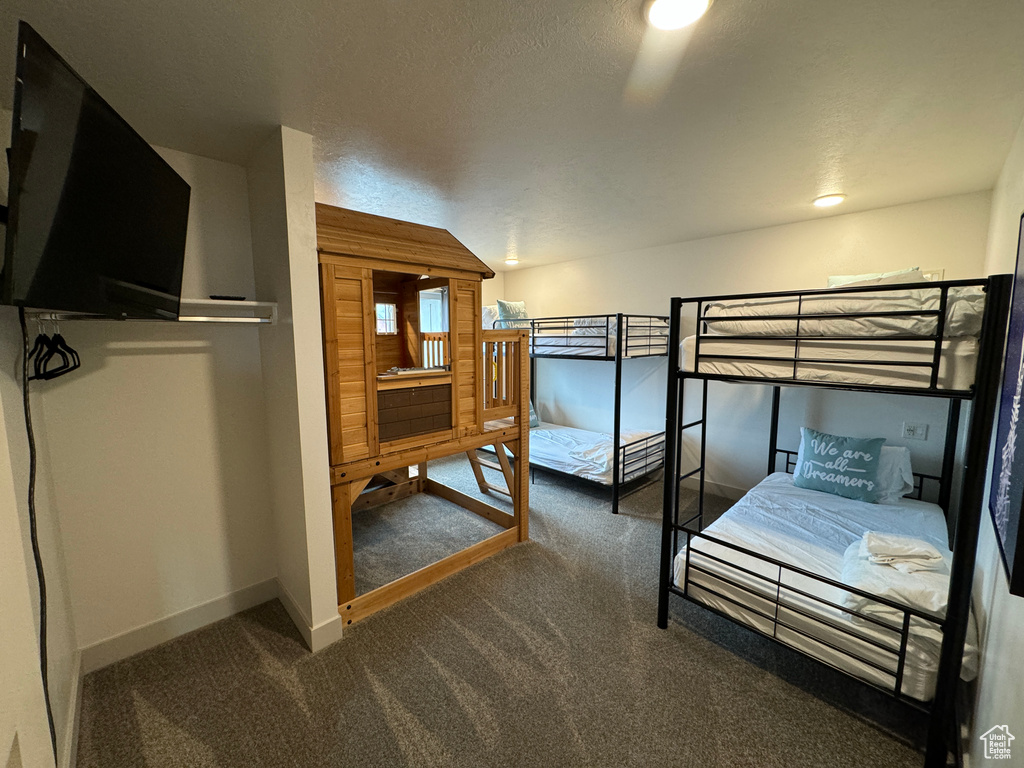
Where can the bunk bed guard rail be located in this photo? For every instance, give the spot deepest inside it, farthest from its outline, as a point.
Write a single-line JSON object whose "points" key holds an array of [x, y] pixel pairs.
{"points": [[594, 336]]}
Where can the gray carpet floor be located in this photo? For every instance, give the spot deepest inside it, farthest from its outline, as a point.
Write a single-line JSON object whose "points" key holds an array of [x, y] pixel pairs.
{"points": [[395, 539], [544, 655]]}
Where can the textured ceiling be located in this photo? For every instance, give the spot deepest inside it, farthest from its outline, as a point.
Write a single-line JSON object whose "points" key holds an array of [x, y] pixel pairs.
{"points": [[509, 123]]}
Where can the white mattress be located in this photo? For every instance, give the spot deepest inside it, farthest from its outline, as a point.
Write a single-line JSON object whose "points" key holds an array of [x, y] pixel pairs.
{"points": [[963, 314], [577, 452], [956, 364], [812, 530]]}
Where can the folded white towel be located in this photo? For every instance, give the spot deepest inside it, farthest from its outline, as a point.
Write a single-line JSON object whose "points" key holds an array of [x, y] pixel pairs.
{"points": [[904, 553], [925, 590]]}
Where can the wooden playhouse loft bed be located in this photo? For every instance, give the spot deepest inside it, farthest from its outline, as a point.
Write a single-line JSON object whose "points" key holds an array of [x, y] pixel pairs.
{"points": [[412, 376]]}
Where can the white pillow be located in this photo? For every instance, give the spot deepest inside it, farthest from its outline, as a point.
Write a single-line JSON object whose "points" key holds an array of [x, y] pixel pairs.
{"points": [[490, 315], [895, 475], [911, 275]]}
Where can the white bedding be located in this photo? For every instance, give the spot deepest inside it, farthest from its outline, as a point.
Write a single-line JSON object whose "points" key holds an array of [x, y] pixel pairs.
{"points": [[963, 314], [956, 364], [812, 530], [578, 452]]}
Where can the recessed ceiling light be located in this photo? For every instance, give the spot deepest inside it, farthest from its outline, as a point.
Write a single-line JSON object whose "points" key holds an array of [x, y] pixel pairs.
{"points": [[674, 14], [511, 259], [827, 201]]}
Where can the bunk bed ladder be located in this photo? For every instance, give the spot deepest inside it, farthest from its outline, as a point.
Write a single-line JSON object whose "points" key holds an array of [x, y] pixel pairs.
{"points": [[501, 465], [674, 431]]}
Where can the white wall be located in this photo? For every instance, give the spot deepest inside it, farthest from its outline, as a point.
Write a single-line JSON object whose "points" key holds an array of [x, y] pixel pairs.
{"points": [[493, 289], [24, 733], [1000, 690], [62, 645], [947, 233], [156, 448], [285, 257]]}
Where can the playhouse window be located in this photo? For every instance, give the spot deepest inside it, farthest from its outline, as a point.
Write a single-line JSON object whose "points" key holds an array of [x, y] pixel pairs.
{"points": [[387, 319]]}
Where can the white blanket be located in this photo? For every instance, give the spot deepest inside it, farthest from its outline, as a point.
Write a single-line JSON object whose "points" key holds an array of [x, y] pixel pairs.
{"points": [[579, 452], [812, 531]]}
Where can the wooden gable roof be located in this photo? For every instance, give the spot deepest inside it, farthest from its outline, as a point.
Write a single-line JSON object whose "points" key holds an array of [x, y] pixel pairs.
{"points": [[341, 232]]}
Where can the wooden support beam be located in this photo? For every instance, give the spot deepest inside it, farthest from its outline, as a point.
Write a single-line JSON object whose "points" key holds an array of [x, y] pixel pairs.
{"points": [[383, 495], [356, 487], [357, 608], [495, 515], [345, 473], [396, 476], [344, 560], [521, 481]]}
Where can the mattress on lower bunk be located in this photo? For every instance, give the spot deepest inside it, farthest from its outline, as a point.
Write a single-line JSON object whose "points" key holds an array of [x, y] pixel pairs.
{"points": [[580, 452], [812, 530], [957, 361]]}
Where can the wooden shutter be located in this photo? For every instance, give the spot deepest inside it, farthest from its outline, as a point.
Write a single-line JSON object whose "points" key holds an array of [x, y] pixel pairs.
{"points": [[350, 369]]}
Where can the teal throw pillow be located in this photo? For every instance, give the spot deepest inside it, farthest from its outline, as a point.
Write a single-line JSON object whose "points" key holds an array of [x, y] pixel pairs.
{"points": [[844, 466], [512, 310], [534, 418]]}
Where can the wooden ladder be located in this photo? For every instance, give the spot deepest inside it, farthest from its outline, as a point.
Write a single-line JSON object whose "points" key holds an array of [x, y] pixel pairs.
{"points": [[501, 465]]}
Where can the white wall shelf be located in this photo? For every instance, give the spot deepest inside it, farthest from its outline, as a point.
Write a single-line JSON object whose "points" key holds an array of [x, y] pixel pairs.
{"points": [[192, 311], [226, 311]]}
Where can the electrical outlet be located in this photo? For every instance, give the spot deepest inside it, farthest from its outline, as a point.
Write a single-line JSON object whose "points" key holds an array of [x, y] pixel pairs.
{"points": [[914, 431], [933, 275]]}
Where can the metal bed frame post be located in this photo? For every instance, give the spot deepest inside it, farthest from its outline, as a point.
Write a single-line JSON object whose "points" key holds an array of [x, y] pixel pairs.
{"points": [[533, 382], [773, 430], [965, 543], [948, 459], [672, 439], [703, 451], [617, 425]]}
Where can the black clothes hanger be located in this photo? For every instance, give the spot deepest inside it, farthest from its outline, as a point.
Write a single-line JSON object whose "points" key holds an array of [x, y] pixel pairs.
{"points": [[69, 358], [38, 348], [52, 357]]}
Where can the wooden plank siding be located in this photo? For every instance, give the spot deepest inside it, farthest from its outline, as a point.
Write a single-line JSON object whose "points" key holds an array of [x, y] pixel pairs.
{"points": [[467, 347], [347, 361]]}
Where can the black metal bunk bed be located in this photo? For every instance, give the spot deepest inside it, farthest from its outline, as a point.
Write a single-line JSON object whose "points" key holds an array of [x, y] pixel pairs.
{"points": [[803, 368], [597, 337]]}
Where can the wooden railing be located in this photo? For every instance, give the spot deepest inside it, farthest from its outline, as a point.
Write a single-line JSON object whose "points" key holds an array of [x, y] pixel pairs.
{"points": [[505, 383], [435, 350]]}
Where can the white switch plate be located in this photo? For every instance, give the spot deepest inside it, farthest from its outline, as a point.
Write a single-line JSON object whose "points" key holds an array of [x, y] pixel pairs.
{"points": [[915, 431], [933, 275]]}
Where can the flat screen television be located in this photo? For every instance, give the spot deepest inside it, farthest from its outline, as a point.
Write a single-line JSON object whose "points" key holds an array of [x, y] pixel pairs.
{"points": [[96, 218]]}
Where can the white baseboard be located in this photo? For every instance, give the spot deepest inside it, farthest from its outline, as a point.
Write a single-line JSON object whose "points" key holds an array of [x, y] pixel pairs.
{"points": [[148, 636], [69, 754], [298, 617], [325, 633], [318, 637]]}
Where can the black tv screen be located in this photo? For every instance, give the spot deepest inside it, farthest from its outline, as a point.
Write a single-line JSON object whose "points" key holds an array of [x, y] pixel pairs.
{"points": [[96, 219]]}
